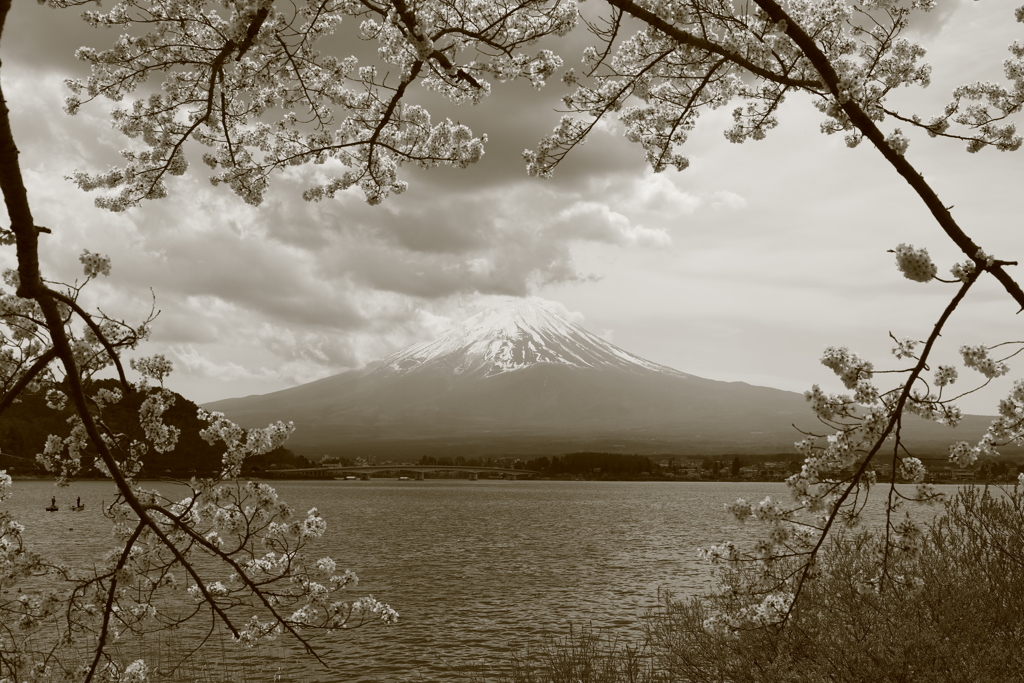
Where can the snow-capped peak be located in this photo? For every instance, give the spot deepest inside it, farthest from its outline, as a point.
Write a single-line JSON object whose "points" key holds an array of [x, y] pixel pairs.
{"points": [[512, 337]]}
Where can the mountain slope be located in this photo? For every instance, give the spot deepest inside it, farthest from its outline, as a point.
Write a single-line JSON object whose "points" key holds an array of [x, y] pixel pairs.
{"points": [[524, 380]]}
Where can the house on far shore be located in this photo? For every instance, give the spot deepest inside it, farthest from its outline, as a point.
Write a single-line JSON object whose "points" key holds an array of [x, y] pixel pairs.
{"points": [[961, 473]]}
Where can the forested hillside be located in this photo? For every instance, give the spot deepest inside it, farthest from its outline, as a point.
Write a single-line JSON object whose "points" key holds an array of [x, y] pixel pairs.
{"points": [[25, 426]]}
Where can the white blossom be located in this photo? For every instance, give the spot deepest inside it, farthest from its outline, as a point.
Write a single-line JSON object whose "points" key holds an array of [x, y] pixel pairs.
{"points": [[945, 375], [904, 348], [94, 264], [977, 358], [912, 469], [850, 367], [915, 264]]}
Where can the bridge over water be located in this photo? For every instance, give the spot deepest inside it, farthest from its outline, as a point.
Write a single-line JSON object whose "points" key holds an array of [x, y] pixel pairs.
{"points": [[417, 471]]}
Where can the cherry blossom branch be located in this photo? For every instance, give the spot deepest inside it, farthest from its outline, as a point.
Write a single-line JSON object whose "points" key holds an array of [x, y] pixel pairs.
{"points": [[686, 38], [216, 72], [11, 395], [607, 36], [302, 84], [111, 594], [898, 161], [74, 381], [114, 357], [243, 576], [16, 197], [934, 130], [686, 111], [895, 417], [31, 286], [609, 105]]}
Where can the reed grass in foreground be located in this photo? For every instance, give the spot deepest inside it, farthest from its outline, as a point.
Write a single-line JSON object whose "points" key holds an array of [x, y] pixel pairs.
{"points": [[953, 611], [220, 660], [175, 657]]}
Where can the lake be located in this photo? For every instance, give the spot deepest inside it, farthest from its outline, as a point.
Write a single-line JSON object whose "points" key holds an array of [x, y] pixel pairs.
{"points": [[476, 569]]}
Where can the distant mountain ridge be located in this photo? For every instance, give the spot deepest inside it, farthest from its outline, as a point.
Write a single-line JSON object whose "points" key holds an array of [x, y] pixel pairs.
{"points": [[524, 380]]}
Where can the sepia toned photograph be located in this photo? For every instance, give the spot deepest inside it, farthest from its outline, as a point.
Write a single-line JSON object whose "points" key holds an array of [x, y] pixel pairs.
{"points": [[511, 341]]}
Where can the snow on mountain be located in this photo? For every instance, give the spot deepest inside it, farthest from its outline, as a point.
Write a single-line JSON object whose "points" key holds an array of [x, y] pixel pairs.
{"points": [[510, 338]]}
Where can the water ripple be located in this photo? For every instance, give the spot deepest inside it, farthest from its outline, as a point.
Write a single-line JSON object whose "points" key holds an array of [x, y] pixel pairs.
{"points": [[476, 569]]}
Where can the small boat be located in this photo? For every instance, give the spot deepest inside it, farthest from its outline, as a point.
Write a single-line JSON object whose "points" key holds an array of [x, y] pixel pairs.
{"points": [[79, 507], [52, 507], [351, 477]]}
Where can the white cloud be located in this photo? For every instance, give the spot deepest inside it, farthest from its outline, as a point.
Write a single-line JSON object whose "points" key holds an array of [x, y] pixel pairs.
{"points": [[194, 363], [658, 193], [724, 199], [596, 221]]}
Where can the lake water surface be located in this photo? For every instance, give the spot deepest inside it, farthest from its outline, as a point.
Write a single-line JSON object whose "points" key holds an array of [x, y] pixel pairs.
{"points": [[475, 568]]}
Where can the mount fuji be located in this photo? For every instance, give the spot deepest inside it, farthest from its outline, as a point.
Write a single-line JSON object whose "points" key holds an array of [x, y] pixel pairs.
{"points": [[524, 380]]}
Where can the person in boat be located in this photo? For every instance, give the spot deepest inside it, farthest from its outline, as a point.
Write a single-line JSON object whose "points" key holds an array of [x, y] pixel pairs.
{"points": [[78, 503], [53, 502]]}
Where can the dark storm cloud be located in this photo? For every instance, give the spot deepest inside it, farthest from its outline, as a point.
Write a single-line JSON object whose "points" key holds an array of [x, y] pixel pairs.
{"points": [[440, 229], [515, 117], [44, 38], [502, 240]]}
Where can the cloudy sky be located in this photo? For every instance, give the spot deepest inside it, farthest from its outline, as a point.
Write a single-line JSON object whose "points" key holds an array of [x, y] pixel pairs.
{"points": [[743, 267]]}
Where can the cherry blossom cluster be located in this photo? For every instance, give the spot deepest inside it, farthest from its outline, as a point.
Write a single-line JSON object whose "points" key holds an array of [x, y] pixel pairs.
{"points": [[63, 457], [162, 436], [962, 271], [945, 375], [915, 264], [904, 348], [94, 264], [240, 443], [770, 611], [977, 358], [248, 80], [912, 469], [156, 367], [962, 454], [851, 369]]}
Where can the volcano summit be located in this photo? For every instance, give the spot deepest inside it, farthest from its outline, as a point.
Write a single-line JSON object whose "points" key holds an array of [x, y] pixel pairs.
{"points": [[524, 380], [515, 338]]}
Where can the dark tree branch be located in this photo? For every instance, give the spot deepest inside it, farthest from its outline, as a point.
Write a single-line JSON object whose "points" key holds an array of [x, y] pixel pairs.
{"points": [[686, 38], [30, 282], [114, 357], [868, 128], [12, 394], [111, 594], [894, 420]]}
